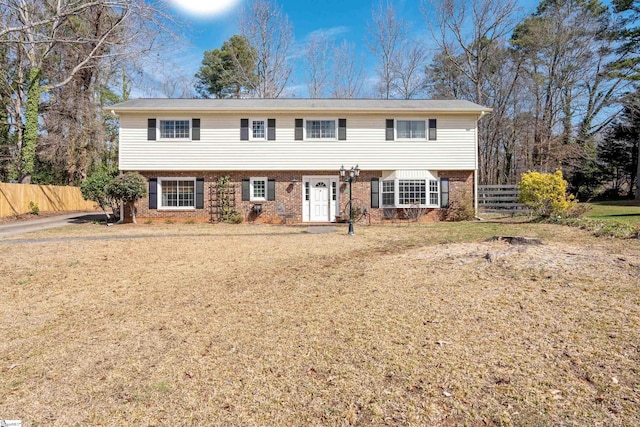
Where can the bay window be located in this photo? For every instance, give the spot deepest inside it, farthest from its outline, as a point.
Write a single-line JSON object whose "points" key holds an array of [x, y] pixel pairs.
{"points": [[401, 192]]}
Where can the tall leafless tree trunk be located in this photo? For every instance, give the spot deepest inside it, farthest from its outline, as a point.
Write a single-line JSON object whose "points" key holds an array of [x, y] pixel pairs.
{"points": [[347, 71], [317, 66], [387, 32], [270, 33], [409, 69]]}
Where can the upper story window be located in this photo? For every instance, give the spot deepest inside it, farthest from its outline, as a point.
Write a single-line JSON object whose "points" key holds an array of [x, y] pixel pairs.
{"points": [[321, 129], [175, 129], [258, 129], [410, 129], [404, 129]]}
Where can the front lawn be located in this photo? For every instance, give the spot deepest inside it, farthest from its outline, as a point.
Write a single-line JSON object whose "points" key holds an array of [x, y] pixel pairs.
{"points": [[619, 210], [267, 325]]}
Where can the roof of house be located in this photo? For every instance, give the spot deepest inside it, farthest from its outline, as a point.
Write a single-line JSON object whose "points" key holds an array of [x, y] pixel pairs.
{"points": [[298, 104]]}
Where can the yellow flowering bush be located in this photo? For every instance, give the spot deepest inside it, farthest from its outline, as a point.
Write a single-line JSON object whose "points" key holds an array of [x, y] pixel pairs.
{"points": [[545, 194]]}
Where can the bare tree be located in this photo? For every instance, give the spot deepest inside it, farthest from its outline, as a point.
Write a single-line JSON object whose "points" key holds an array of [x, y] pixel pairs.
{"points": [[471, 39], [270, 33], [168, 80], [347, 71], [36, 32], [317, 66], [409, 69], [387, 31], [464, 31]]}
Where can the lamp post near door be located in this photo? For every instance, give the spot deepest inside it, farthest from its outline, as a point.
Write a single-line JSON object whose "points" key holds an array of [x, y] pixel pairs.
{"points": [[350, 178]]}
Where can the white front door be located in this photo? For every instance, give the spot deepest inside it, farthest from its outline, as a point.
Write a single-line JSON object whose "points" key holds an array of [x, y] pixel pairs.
{"points": [[319, 200]]}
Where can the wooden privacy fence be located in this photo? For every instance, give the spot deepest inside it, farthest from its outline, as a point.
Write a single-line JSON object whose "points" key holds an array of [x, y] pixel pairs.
{"points": [[15, 198], [500, 199]]}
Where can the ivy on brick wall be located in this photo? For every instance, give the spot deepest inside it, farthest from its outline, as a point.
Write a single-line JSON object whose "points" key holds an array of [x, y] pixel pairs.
{"points": [[226, 208]]}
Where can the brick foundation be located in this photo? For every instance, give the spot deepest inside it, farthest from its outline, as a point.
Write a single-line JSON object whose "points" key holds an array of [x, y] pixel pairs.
{"points": [[289, 188]]}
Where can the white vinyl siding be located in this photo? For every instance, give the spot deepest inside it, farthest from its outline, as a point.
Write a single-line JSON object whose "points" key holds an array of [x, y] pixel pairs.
{"points": [[220, 147]]}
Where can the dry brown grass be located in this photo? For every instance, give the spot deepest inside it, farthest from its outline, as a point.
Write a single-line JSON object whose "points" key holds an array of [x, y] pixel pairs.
{"points": [[260, 325]]}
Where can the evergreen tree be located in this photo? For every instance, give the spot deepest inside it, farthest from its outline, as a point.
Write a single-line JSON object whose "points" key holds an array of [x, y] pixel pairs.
{"points": [[228, 72]]}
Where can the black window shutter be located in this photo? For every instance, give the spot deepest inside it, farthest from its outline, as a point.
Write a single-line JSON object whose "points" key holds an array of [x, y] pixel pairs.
{"points": [[299, 133], [271, 189], [244, 129], [433, 131], [271, 129], [444, 192], [375, 193], [153, 193], [389, 134], [245, 190], [195, 129], [199, 193], [342, 129], [151, 129]]}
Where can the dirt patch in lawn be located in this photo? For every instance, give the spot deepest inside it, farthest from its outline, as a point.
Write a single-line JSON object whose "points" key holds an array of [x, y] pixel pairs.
{"points": [[410, 325]]}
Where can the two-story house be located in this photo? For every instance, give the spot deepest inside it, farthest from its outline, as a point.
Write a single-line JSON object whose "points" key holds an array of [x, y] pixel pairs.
{"points": [[283, 156]]}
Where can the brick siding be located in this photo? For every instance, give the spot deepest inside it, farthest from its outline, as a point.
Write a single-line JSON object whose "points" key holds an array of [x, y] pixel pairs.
{"points": [[289, 188]]}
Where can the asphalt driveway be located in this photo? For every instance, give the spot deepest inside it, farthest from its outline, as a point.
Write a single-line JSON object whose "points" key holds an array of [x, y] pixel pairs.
{"points": [[21, 227]]}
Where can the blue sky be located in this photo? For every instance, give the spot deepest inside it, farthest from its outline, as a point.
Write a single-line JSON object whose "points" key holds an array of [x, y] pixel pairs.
{"points": [[339, 19]]}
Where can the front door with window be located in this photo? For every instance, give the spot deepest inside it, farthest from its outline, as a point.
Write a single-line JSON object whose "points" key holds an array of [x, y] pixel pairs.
{"points": [[319, 200], [320, 195]]}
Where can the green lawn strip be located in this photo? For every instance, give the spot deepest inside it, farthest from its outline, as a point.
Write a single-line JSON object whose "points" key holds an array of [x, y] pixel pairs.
{"points": [[627, 211]]}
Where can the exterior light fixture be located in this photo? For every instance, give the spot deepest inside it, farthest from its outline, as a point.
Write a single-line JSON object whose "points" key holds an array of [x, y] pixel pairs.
{"points": [[354, 172]]}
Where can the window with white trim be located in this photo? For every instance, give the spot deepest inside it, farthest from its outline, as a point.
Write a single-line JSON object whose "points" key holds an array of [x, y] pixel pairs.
{"points": [[321, 129], [175, 129], [412, 192], [434, 192], [388, 193], [417, 129], [404, 193], [258, 129], [177, 192], [410, 129], [258, 189]]}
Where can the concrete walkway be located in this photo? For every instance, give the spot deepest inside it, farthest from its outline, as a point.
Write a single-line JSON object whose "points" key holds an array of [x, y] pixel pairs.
{"points": [[27, 226]]}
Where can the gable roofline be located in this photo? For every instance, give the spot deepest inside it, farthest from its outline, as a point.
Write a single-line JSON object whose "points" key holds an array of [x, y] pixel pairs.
{"points": [[148, 105]]}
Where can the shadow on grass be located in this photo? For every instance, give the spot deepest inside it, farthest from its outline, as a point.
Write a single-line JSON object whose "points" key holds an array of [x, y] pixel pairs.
{"points": [[85, 219], [604, 216], [625, 202]]}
